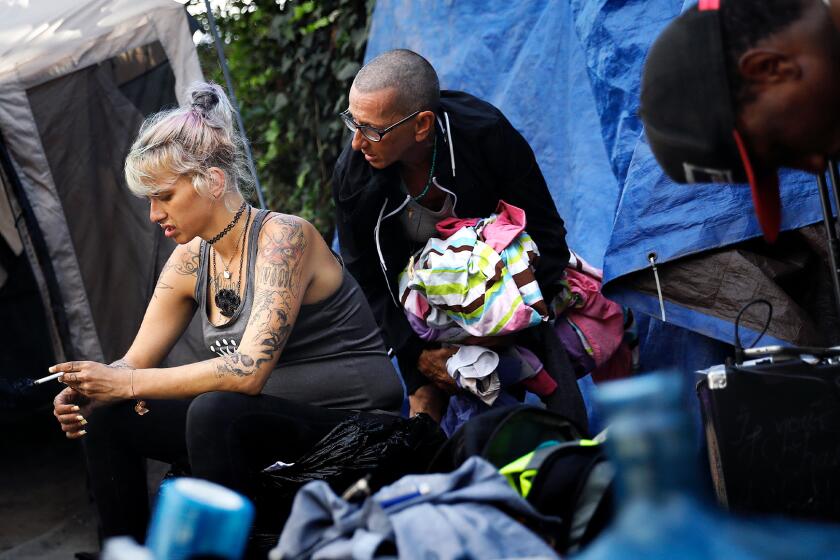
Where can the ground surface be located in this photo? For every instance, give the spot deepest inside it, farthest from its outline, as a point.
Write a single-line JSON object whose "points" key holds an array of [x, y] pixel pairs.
{"points": [[45, 512], [45, 508]]}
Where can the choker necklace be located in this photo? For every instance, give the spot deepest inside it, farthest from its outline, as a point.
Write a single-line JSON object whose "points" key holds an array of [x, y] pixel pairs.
{"points": [[228, 227], [227, 299], [420, 196]]}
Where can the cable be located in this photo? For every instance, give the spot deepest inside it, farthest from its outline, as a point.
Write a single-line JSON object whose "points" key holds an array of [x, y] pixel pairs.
{"points": [[739, 349]]}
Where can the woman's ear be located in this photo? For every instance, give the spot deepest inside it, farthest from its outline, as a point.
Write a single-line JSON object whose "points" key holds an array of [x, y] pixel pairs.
{"points": [[424, 125], [217, 184]]}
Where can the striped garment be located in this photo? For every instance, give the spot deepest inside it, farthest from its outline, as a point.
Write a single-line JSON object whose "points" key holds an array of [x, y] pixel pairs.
{"points": [[461, 286]]}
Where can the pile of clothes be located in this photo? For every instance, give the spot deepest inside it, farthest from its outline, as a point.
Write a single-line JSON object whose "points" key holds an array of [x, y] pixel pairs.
{"points": [[476, 280], [474, 286]]}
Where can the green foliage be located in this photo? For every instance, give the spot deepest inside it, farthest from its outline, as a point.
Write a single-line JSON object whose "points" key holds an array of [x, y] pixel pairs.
{"points": [[291, 64]]}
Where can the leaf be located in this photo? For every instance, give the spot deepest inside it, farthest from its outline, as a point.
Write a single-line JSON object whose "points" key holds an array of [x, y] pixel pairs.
{"points": [[317, 24], [280, 101], [348, 70], [290, 63], [302, 10]]}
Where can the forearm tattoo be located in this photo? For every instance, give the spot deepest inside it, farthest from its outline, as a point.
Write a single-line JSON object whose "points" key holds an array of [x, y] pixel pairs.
{"points": [[238, 364], [185, 264], [278, 287], [121, 364]]}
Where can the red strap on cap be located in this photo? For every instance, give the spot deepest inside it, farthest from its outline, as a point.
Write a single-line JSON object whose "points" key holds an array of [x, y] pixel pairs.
{"points": [[765, 194], [705, 5]]}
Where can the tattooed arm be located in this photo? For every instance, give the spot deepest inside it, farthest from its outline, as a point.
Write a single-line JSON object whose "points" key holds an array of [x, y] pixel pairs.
{"points": [[170, 309], [89, 384], [283, 272], [282, 276]]}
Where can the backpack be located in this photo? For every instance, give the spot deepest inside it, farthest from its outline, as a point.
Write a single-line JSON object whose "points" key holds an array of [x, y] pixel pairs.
{"points": [[571, 480], [502, 435], [544, 454]]}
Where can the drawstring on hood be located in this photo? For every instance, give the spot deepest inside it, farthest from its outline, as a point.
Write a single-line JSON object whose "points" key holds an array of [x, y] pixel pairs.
{"points": [[382, 216], [451, 144]]}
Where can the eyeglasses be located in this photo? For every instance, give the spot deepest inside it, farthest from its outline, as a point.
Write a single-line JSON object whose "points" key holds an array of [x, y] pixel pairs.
{"points": [[372, 133]]}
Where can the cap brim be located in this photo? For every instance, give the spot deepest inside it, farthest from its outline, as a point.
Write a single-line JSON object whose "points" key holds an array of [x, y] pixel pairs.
{"points": [[764, 185]]}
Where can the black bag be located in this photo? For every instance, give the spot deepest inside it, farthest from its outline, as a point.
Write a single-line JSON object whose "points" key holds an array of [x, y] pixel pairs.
{"points": [[502, 435], [573, 480], [773, 434], [383, 449]]}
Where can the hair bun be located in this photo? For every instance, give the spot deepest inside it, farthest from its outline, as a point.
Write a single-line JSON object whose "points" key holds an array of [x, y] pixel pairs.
{"points": [[208, 100], [205, 100]]}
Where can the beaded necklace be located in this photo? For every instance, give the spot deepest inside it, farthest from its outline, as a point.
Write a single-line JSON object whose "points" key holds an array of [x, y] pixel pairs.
{"points": [[228, 227], [420, 196]]}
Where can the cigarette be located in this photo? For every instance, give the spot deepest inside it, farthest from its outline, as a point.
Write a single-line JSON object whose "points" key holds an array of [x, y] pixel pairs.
{"points": [[48, 378]]}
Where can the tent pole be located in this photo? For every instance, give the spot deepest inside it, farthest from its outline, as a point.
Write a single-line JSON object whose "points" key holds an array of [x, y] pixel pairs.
{"points": [[830, 230], [835, 183], [223, 61]]}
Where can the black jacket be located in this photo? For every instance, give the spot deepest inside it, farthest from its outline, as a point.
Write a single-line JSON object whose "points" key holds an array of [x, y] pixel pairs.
{"points": [[492, 162]]}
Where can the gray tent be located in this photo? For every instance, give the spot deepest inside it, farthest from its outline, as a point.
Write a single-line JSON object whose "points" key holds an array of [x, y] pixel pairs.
{"points": [[78, 255]]}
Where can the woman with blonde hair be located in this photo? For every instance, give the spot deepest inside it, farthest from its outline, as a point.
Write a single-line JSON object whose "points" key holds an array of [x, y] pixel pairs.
{"points": [[295, 348]]}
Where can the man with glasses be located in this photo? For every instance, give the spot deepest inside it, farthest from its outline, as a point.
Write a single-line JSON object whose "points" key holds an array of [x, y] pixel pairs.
{"points": [[418, 155], [734, 89]]}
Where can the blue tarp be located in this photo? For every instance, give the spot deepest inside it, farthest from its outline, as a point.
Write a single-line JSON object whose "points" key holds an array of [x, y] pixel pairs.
{"points": [[567, 75], [525, 58]]}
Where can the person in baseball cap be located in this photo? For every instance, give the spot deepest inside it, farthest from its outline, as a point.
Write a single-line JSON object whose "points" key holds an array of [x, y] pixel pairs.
{"points": [[734, 89]]}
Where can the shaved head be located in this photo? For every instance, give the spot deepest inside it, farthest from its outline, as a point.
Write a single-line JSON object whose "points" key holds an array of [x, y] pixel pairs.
{"points": [[408, 74]]}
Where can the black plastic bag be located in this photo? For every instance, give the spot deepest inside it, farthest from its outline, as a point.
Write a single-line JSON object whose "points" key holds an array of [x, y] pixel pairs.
{"points": [[384, 449]]}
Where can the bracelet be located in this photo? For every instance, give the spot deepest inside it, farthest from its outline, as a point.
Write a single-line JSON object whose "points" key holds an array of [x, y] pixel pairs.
{"points": [[140, 405]]}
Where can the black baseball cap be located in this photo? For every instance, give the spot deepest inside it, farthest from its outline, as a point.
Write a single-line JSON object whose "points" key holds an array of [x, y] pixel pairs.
{"points": [[687, 109]]}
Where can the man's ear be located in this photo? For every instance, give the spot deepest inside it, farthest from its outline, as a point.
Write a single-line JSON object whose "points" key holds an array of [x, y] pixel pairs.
{"points": [[424, 125], [763, 66], [217, 182]]}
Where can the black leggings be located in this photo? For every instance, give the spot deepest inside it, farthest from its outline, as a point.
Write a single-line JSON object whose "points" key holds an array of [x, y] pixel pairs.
{"points": [[223, 437]]}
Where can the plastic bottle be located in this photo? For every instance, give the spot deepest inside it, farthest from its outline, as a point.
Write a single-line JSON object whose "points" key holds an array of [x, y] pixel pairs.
{"points": [[125, 548], [199, 519]]}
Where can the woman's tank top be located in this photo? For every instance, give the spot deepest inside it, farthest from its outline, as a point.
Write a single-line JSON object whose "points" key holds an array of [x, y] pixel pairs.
{"points": [[334, 356]]}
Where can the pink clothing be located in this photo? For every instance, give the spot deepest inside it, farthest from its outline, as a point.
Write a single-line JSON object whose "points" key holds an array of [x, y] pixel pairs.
{"points": [[600, 320], [541, 384], [447, 227], [618, 366], [578, 263], [498, 233]]}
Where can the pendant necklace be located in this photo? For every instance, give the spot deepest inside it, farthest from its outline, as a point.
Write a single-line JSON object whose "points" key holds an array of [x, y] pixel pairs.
{"points": [[227, 299], [226, 269]]}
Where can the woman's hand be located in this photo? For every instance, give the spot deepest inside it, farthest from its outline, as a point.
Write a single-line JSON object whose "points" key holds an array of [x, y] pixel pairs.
{"points": [[96, 381], [71, 409]]}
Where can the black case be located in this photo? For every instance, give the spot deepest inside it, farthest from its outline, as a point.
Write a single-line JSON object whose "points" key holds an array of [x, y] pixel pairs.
{"points": [[773, 436]]}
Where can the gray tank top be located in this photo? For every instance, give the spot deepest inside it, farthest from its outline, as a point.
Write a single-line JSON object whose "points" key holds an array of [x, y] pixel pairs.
{"points": [[418, 222], [334, 356]]}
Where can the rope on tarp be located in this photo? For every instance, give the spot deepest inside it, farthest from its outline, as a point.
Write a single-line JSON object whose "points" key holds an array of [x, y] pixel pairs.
{"points": [[223, 61]]}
